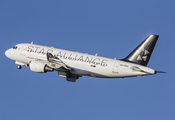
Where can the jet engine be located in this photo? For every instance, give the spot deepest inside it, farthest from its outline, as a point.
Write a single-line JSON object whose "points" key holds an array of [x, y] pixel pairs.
{"points": [[39, 67]]}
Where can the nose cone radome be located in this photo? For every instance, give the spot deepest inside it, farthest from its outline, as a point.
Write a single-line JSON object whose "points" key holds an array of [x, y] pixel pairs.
{"points": [[7, 53]]}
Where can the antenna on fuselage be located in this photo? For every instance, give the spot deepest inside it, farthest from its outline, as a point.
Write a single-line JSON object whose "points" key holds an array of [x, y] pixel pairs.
{"points": [[31, 42], [96, 54]]}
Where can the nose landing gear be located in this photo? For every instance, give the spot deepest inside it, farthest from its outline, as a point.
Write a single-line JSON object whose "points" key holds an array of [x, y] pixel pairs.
{"points": [[19, 66]]}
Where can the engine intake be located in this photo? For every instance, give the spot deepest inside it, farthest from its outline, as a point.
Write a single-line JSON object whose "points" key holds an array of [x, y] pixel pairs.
{"points": [[39, 67]]}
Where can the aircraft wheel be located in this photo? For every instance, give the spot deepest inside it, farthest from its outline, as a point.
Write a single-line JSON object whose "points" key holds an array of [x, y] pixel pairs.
{"points": [[19, 66], [77, 77]]}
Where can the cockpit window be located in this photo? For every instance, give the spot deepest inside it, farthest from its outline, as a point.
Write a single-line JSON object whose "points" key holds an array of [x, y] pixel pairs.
{"points": [[15, 47]]}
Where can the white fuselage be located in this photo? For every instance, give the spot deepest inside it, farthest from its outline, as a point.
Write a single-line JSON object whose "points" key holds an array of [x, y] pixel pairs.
{"points": [[83, 64]]}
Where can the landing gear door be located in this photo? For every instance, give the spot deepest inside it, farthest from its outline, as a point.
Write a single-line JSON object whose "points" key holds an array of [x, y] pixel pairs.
{"points": [[115, 68]]}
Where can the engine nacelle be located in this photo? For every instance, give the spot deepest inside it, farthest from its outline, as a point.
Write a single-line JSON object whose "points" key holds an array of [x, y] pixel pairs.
{"points": [[39, 67]]}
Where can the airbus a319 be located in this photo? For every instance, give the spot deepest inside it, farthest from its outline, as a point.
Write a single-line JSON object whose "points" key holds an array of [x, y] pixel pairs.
{"points": [[72, 65]]}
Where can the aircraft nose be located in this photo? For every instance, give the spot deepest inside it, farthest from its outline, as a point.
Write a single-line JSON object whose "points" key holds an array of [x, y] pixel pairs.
{"points": [[7, 53]]}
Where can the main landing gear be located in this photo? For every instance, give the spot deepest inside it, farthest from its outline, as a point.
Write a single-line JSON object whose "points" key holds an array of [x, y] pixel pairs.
{"points": [[71, 77]]}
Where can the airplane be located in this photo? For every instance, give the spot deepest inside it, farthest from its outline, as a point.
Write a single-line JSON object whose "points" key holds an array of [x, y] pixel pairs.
{"points": [[72, 65]]}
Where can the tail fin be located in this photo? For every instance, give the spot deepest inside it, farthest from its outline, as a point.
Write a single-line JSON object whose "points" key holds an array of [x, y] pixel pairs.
{"points": [[142, 53]]}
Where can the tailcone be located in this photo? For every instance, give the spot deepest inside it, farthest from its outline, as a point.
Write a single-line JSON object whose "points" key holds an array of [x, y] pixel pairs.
{"points": [[159, 72]]}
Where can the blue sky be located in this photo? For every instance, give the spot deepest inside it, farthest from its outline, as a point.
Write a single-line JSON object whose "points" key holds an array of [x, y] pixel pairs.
{"points": [[111, 29]]}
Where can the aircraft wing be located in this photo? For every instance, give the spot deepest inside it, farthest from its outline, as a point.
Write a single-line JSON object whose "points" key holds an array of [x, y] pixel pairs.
{"points": [[57, 63]]}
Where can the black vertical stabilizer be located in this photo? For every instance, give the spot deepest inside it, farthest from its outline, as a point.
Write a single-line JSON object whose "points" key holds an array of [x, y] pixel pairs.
{"points": [[142, 53]]}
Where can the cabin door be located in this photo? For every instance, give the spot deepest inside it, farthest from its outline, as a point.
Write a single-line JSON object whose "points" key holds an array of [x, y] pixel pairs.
{"points": [[115, 68]]}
